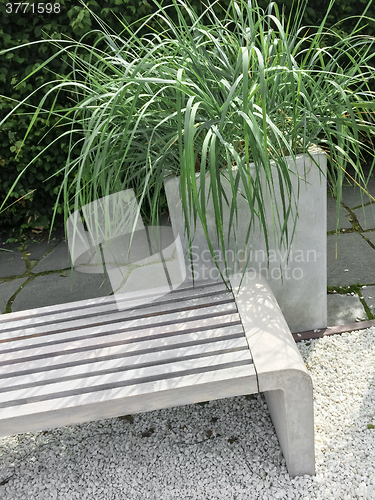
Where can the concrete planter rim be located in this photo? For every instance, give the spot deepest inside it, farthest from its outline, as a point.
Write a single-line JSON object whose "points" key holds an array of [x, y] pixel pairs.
{"points": [[313, 150]]}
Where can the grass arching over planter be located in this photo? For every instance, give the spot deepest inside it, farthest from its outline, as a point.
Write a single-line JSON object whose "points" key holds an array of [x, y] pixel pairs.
{"points": [[213, 97]]}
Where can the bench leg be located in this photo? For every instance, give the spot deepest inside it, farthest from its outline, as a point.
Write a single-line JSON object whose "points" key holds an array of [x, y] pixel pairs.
{"points": [[292, 414], [282, 375]]}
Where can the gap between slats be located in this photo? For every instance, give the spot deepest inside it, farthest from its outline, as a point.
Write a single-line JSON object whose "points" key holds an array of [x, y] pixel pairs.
{"points": [[83, 350], [133, 373], [115, 316], [137, 334], [120, 369], [71, 360], [113, 357], [129, 329], [133, 398], [114, 385], [103, 306]]}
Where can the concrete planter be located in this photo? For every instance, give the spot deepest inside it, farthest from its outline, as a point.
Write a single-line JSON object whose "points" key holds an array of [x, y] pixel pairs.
{"points": [[298, 283]]}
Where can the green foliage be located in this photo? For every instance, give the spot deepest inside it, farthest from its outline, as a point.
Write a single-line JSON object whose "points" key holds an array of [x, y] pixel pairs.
{"points": [[18, 31], [23, 58], [204, 96], [345, 13]]}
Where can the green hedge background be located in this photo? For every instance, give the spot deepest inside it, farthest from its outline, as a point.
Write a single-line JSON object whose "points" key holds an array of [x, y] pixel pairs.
{"points": [[73, 20]]}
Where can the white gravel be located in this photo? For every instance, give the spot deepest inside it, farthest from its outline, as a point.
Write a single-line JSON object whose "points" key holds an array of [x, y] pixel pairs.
{"points": [[226, 449]]}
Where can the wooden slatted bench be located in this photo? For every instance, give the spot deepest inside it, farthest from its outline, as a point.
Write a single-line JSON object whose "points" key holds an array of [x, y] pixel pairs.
{"points": [[86, 360]]}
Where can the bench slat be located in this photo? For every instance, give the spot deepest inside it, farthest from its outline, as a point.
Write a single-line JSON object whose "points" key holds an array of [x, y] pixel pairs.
{"points": [[128, 360], [85, 385], [155, 314], [94, 302], [75, 351], [130, 329], [129, 399], [92, 307], [126, 344]]}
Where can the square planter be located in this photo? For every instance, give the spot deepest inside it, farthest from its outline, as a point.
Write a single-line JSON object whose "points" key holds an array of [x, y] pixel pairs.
{"points": [[299, 282]]}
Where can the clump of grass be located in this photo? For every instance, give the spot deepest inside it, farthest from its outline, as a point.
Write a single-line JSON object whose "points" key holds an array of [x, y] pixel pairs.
{"points": [[200, 96]]}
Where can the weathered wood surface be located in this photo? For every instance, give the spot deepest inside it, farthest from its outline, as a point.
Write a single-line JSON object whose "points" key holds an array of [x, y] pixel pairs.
{"points": [[87, 360]]}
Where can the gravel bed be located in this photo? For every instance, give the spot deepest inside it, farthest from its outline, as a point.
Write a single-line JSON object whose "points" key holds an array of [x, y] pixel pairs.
{"points": [[225, 449]]}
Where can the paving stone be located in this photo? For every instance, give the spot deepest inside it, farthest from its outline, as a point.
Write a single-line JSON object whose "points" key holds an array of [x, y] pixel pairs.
{"points": [[370, 236], [52, 289], [353, 196], [59, 258], [355, 261], [344, 223], [366, 216], [7, 289], [11, 263], [368, 294], [344, 309], [38, 249]]}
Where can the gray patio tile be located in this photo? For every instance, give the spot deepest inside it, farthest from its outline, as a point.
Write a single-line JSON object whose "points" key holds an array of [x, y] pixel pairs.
{"points": [[353, 196], [9, 246], [11, 263], [59, 258], [355, 261], [344, 309], [368, 294], [344, 223], [38, 249], [54, 289], [7, 289], [370, 236], [366, 216]]}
